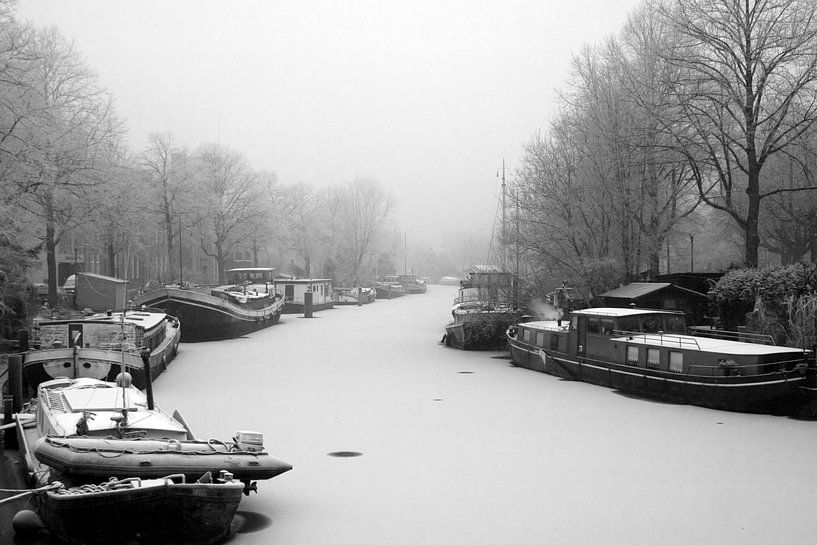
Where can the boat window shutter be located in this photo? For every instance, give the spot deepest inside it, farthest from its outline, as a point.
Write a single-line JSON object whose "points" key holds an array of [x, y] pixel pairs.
{"points": [[653, 358], [676, 362]]}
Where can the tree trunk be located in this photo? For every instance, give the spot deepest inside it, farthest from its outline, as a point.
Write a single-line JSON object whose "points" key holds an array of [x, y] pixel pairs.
{"points": [[170, 265], [111, 271], [51, 260], [753, 213]]}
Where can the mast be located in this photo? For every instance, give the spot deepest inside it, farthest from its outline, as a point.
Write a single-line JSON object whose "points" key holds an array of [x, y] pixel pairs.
{"points": [[503, 242]]}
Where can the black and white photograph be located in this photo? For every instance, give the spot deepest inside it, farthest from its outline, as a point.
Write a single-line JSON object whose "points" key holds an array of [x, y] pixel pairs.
{"points": [[443, 272]]}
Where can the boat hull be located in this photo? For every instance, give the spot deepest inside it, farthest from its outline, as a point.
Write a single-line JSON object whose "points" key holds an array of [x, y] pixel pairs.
{"points": [[772, 393], [49, 363], [480, 330], [92, 459], [170, 513], [209, 318], [389, 292], [295, 307]]}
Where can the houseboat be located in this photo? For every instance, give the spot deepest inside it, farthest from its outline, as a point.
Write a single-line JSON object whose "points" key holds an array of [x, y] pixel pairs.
{"points": [[412, 284], [296, 289], [359, 295], [100, 346], [649, 353], [483, 310], [249, 302], [389, 287]]}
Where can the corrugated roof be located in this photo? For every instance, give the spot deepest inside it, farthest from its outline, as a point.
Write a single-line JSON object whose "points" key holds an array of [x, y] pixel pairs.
{"points": [[636, 289]]}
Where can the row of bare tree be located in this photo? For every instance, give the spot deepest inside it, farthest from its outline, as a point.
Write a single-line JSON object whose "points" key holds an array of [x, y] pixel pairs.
{"points": [[697, 117], [65, 170]]}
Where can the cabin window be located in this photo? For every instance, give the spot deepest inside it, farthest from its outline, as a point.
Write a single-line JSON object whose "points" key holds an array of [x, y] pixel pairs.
{"points": [[675, 324], [676, 362], [606, 326], [593, 325], [632, 355], [526, 335], [651, 324], [554, 342], [629, 323], [670, 304], [574, 323], [653, 358], [540, 339]]}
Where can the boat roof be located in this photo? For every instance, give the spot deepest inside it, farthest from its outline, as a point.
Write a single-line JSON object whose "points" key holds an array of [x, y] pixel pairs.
{"points": [[615, 312], [636, 289], [251, 269], [144, 318], [688, 342], [708, 344]]}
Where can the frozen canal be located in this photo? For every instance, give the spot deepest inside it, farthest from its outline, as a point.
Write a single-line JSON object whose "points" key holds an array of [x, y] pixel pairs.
{"points": [[463, 448]]}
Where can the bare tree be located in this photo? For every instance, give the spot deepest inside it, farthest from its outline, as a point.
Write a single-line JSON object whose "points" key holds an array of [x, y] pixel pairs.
{"points": [[72, 139], [301, 218], [169, 183], [229, 202], [746, 89]]}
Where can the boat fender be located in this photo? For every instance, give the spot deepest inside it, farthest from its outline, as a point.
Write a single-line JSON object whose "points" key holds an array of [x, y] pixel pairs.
{"points": [[26, 523]]}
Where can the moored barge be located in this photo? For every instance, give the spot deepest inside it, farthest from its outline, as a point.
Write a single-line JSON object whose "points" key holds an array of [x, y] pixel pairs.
{"points": [[648, 353]]}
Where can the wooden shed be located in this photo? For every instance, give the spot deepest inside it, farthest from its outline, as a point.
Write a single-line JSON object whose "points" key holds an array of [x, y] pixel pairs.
{"points": [[659, 295]]}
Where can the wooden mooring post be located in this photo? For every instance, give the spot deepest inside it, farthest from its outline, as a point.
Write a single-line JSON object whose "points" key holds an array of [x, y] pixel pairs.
{"points": [[13, 402]]}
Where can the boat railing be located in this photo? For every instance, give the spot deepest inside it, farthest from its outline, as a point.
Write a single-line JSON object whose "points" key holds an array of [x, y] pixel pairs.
{"points": [[724, 369], [732, 368], [739, 336], [661, 338]]}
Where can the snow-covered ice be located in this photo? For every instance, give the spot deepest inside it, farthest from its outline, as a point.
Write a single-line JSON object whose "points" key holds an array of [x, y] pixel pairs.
{"points": [[462, 448]]}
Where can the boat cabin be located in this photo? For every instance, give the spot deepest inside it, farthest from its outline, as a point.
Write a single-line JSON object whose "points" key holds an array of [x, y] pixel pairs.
{"points": [[486, 283], [89, 407], [251, 275], [295, 290], [107, 331]]}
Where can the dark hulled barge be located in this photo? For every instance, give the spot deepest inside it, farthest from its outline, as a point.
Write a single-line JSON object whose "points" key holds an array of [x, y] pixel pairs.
{"points": [[648, 353], [248, 304]]}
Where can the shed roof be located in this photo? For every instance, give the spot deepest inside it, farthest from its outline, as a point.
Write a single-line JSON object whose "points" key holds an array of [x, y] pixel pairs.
{"points": [[636, 289]]}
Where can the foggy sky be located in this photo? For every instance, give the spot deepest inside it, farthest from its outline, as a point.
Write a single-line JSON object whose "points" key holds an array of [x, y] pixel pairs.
{"points": [[427, 97]]}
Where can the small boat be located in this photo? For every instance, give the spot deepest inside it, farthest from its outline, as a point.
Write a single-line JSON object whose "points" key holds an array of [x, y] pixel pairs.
{"points": [[412, 284], [100, 346], [359, 295], [648, 353], [87, 430], [483, 310], [249, 303], [167, 510], [389, 287]]}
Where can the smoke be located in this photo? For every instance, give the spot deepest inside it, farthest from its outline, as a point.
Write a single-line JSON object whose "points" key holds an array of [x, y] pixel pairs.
{"points": [[544, 310]]}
